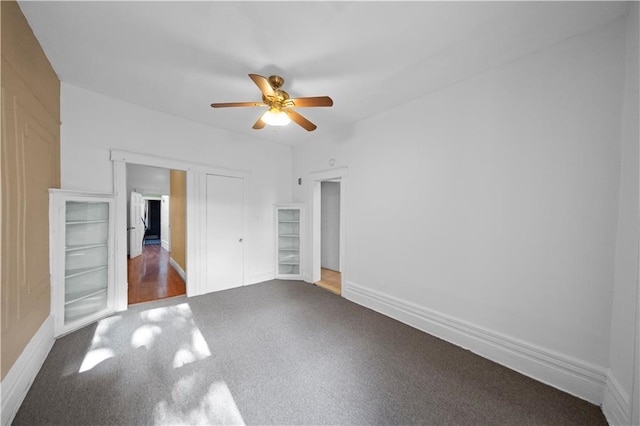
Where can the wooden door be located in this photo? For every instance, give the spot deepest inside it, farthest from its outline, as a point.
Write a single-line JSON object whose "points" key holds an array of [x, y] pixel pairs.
{"points": [[225, 225], [136, 224]]}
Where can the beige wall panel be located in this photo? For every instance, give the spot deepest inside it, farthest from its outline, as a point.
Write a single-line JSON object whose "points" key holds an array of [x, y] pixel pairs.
{"points": [[10, 213], [30, 161], [177, 212], [22, 50], [38, 174]]}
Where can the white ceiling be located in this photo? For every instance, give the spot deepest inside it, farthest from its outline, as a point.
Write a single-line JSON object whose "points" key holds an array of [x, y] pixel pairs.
{"points": [[179, 57]]}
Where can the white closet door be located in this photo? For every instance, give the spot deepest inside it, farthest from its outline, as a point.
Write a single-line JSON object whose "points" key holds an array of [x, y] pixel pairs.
{"points": [[136, 224], [225, 201]]}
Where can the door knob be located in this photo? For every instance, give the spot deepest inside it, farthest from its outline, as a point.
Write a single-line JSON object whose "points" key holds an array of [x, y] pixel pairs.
{"points": [[240, 240]]}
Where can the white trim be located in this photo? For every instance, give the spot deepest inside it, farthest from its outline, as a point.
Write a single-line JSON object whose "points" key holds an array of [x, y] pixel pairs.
{"points": [[575, 376], [195, 248], [18, 380], [148, 197], [170, 163], [178, 269], [246, 230], [314, 274], [121, 246], [333, 175], [616, 404]]}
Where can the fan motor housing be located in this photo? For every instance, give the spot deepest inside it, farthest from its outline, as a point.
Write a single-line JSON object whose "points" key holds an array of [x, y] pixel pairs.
{"points": [[276, 81], [279, 101]]}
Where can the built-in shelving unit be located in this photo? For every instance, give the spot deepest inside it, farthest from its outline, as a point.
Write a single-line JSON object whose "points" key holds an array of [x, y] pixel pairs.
{"points": [[288, 247], [81, 258]]}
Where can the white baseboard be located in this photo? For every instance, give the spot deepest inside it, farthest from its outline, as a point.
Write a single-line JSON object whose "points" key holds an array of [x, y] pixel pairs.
{"points": [[260, 277], [616, 405], [18, 380], [165, 245], [178, 269], [575, 376]]}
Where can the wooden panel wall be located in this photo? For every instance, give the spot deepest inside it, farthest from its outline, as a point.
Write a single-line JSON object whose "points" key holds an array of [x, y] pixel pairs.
{"points": [[177, 213], [30, 162]]}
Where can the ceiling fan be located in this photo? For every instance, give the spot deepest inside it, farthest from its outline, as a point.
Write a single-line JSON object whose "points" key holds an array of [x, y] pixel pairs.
{"points": [[280, 112]]}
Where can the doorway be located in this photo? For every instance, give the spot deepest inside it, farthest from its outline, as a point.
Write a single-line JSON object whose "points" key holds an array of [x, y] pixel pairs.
{"points": [[153, 220], [154, 270], [194, 224], [330, 276], [328, 196]]}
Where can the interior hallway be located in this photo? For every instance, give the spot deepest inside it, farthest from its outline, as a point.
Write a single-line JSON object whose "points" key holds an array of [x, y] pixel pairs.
{"points": [[151, 277]]}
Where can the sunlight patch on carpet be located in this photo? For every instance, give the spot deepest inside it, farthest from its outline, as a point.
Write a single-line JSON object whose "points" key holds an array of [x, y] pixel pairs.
{"points": [[217, 406], [145, 336], [193, 348], [99, 350], [173, 324]]}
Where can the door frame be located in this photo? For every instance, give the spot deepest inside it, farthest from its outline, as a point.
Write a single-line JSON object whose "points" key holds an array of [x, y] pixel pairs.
{"points": [[195, 249], [316, 178]]}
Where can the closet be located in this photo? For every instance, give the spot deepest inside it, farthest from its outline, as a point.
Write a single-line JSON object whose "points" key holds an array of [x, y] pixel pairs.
{"points": [[288, 241], [82, 253]]}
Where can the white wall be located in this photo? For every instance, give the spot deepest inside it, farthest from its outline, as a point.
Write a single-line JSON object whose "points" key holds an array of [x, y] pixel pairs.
{"points": [[92, 124], [625, 297], [330, 225], [147, 180], [491, 207]]}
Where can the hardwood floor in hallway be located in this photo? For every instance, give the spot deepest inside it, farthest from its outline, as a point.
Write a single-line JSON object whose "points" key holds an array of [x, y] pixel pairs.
{"points": [[330, 280], [151, 277]]}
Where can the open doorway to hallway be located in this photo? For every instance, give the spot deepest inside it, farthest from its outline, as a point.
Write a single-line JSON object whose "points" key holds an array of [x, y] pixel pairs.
{"points": [[330, 275], [335, 208], [156, 222]]}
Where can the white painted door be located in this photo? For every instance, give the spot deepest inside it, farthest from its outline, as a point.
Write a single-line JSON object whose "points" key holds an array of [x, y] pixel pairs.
{"points": [[225, 205], [136, 225], [165, 229]]}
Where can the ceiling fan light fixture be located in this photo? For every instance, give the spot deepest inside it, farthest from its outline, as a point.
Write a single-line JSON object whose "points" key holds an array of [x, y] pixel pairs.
{"points": [[276, 117], [280, 112]]}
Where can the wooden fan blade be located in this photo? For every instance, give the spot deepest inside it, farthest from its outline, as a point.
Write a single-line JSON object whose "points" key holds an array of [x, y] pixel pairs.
{"points": [[300, 120], [316, 101], [259, 124], [263, 84], [237, 104]]}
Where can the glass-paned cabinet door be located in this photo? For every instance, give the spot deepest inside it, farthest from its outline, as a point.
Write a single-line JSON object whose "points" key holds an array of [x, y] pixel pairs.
{"points": [[288, 246], [82, 258]]}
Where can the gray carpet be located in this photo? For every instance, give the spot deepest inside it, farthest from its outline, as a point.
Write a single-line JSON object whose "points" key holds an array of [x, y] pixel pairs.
{"points": [[280, 352]]}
